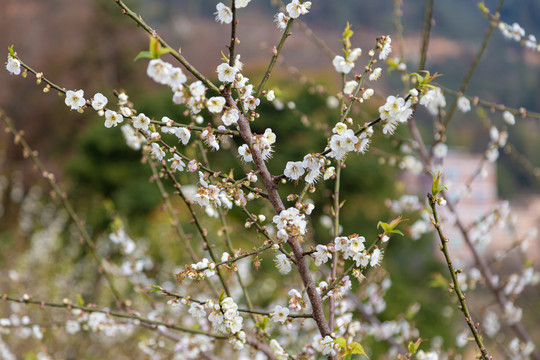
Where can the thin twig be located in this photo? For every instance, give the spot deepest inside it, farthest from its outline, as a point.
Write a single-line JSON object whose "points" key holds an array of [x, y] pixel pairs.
{"points": [[455, 286]]}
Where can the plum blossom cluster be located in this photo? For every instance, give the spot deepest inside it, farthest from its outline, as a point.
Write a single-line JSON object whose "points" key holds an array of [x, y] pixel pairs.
{"points": [[517, 33], [433, 100], [290, 222], [338, 291], [396, 110], [345, 64], [353, 247], [225, 319], [344, 141], [498, 140], [261, 142], [224, 13], [211, 195], [294, 9], [198, 271], [313, 164]]}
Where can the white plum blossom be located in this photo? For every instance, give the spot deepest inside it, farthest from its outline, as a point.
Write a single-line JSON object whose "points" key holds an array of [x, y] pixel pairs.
{"points": [[226, 73], [354, 54], [177, 163], [126, 112], [313, 165], [294, 170], [283, 264], [133, 139], [329, 172], [157, 152], [223, 14], [99, 101], [440, 150], [215, 104], [141, 122], [75, 99], [73, 327], [368, 93], [278, 350], [183, 134], [296, 8], [463, 104], [176, 78], [281, 20], [13, 66], [386, 48], [230, 116], [433, 100], [279, 314], [245, 153], [509, 118], [326, 346], [197, 89], [339, 128], [197, 310], [349, 87], [270, 96], [341, 243], [342, 65], [321, 255], [210, 139], [122, 99], [241, 3], [376, 257], [159, 71], [374, 76], [112, 118]]}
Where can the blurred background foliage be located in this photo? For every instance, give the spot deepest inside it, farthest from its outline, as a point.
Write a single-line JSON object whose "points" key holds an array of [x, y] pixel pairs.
{"points": [[91, 45]]}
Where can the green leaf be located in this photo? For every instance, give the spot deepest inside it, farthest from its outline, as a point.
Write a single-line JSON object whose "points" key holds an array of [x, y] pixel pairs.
{"points": [[11, 51], [390, 228], [347, 33], [356, 348], [413, 347], [155, 288], [437, 280], [262, 323], [436, 186], [221, 296], [142, 55], [347, 357], [341, 342], [80, 300]]}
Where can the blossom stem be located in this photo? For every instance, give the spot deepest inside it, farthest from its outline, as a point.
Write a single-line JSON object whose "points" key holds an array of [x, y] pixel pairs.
{"points": [[277, 203], [233, 34], [455, 286], [491, 105], [337, 206], [274, 58], [132, 316], [247, 311], [358, 87], [428, 20], [138, 19], [198, 128], [59, 193]]}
